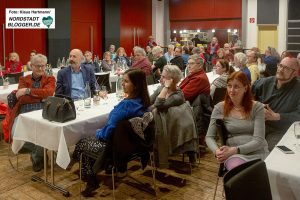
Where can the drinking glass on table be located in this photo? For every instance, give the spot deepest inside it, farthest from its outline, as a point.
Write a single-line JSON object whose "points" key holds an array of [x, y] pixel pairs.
{"points": [[103, 94], [79, 103], [297, 134]]}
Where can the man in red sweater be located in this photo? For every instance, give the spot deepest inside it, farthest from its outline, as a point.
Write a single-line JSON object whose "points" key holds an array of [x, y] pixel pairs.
{"points": [[196, 82]]}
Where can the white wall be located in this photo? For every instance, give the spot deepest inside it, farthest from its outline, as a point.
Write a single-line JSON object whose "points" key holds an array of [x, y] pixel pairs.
{"points": [[158, 16], [251, 29], [282, 26]]}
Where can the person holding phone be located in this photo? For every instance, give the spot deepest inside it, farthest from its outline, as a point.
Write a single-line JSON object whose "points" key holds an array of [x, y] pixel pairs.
{"points": [[243, 119]]}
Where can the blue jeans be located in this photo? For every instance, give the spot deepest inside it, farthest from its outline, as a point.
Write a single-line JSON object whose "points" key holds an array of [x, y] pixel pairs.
{"points": [[37, 152]]}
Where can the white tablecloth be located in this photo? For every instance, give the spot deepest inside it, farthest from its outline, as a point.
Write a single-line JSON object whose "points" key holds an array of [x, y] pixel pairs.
{"points": [[6, 91], [284, 169], [211, 76], [31, 127]]}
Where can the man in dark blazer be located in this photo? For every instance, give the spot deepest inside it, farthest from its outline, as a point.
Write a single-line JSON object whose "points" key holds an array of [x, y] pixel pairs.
{"points": [[71, 81]]}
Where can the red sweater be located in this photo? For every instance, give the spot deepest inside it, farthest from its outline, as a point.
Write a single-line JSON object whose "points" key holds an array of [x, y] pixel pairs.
{"points": [[13, 67], [195, 84]]}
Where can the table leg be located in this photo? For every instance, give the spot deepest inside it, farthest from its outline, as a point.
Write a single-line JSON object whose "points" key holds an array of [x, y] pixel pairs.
{"points": [[45, 181]]}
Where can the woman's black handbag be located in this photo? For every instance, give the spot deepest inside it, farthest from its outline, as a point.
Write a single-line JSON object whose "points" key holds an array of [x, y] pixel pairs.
{"points": [[59, 108]]}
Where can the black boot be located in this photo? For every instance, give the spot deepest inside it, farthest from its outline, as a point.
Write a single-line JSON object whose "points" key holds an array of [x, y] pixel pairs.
{"points": [[91, 186]]}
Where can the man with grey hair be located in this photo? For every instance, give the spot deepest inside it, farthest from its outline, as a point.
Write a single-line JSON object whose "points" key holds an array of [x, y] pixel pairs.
{"points": [[281, 96], [196, 82], [169, 55], [240, 61], [32, 90], [160, 62], [71, 81]]}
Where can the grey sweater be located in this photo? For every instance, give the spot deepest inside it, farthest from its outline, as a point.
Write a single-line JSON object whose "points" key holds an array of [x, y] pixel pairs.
{"points": [[247, 134]]}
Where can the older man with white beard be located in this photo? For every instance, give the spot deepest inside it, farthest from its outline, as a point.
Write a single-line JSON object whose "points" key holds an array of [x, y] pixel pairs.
{"points": [[281, 96], [71, 80]]}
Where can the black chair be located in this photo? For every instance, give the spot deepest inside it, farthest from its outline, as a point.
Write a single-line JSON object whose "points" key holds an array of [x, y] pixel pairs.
{"points": [[248, 181], [218, 96], [103, 80], [125, 146], [223, 135], [14, 78]]}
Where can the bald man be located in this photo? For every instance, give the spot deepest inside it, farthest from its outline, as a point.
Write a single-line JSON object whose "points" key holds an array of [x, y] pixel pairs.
{"points": [[281, 95], [72, 79]]}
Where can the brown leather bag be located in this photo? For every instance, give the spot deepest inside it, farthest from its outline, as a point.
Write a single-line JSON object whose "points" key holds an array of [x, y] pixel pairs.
{"points": [[59, 108]]}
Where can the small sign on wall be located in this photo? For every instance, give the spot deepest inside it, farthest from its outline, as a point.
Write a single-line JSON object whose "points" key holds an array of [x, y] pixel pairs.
{"points": [[252, 20]]}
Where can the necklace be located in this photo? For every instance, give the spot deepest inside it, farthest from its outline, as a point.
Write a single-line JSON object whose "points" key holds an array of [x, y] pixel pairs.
{"points": [[238, 108]]}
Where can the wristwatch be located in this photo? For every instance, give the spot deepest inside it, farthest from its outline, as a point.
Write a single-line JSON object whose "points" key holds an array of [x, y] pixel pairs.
{"points": [[27, 91]]}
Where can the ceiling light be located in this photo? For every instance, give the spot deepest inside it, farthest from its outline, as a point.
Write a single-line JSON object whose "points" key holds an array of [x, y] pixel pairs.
{"points": [[174, 31], [228, 30], [213, 30]]}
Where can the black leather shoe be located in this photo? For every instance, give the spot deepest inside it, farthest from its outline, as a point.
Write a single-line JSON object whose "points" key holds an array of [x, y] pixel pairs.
{"points": [[108, 169], [91, 186], [37, 166]]}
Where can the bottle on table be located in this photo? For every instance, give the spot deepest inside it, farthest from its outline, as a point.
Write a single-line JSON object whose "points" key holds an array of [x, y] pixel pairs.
{"points": [[87, 96], [119, 88]]}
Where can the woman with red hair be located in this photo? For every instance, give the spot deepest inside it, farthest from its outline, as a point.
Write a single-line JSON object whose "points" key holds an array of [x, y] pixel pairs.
{"points": [[244, 120]]}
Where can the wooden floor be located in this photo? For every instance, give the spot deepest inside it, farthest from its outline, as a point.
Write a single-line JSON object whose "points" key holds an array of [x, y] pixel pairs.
{"points": [[173, 184]]}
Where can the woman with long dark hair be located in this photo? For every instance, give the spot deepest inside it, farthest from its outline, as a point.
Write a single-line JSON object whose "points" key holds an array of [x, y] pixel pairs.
{"points": [[134, 105], [243, 119]]}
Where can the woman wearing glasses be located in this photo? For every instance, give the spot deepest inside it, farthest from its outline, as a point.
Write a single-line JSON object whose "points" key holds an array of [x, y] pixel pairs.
{"points": [[244, 120]]}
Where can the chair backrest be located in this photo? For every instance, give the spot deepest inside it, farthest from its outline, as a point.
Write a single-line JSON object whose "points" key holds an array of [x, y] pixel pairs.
{"points": [[222, 131], [218, 96], [248, 181], [103, 80], [14, 78]]}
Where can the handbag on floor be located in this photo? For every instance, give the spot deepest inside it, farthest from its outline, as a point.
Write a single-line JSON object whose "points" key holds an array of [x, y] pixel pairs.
{"points": [[59, 108]]}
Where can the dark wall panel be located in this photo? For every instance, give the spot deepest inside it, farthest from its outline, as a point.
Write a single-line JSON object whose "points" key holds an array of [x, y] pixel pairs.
{"points": [[111, 23], [267, 11], [59, 38]]}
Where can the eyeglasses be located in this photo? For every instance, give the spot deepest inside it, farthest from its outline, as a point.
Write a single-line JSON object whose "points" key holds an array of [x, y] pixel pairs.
{"points": [[285, 68], [40, 66]]}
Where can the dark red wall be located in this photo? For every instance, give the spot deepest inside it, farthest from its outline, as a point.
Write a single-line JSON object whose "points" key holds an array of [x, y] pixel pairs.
{"points": [[135, 14], [25, 39], [205, 14], [84, 15]]}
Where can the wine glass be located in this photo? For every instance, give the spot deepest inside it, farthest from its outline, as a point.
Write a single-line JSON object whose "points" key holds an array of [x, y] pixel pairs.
{"points": [[79, 103], [103, 94]]}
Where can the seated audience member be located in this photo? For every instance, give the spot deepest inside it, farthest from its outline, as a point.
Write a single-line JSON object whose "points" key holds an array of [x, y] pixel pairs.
{"points": [[160, 62], [196, 82], [32, 53], [280, 94], [167, 99], [220, 55], [240, 61], [89, 61], [224, 70], [13, 65], [134, 105], [121, 57], [185, 55], [178, 60], [112, 49], [107, 63], [252, 65], [32, 90], [151, 42], [228, 55], [271, 59], [169, 55], [244, 121], [236, 44], [285, 54], [140, 61], [71, 80], [149, 54]]}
